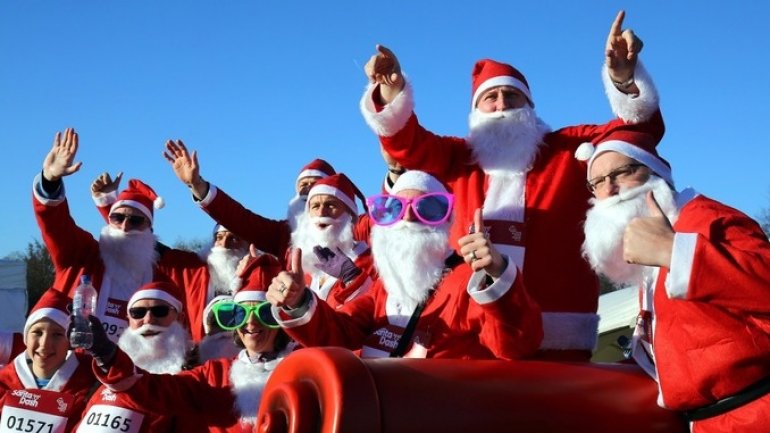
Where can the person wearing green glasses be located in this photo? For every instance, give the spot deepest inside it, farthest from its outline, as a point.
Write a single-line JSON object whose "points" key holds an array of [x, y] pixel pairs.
{"points": [[222, 395]]}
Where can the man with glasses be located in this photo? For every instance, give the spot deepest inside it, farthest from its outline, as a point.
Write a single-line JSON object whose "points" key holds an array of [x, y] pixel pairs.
{"points": [[520, 173], [427, 303], [703, 271]]}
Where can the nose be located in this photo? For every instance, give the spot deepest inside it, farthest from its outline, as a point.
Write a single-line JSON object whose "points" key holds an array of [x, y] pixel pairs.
{"points": [[325, 211], [409, 213], [123, 225], [608, 188]]}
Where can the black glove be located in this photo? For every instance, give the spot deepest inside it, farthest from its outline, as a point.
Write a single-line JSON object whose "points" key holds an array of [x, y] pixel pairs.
{"points": [[337, 265], [102, 349]]}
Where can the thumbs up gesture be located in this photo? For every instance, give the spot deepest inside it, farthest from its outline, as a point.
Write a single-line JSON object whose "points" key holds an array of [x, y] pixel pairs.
{"points": [[288, 287], [649, 240], [479, 252]]}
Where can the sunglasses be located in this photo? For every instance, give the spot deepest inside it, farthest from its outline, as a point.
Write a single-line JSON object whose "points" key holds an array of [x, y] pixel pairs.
{"points": [[158, 311], [132, 220], [432, 209], [232, 315]]}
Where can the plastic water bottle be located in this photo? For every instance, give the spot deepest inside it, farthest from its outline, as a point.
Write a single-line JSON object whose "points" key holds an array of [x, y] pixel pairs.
{"points": [[83, 305]]}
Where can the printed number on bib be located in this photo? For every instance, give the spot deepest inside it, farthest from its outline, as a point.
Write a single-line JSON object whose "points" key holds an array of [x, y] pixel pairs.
{"points": [[113, 419]]}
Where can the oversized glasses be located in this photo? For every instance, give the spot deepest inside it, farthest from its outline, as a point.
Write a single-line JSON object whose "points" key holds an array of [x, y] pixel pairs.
{"points": [[232, 315], [158, 311], [132, 220], [621, 173], [432, 209]]}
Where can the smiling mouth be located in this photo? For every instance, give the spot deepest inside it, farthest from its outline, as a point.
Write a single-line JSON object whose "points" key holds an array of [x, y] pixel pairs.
{"points": [[150, 334]]}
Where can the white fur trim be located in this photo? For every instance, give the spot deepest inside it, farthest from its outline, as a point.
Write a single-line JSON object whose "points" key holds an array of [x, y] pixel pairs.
{"points": [[58, 316], [336, 192], [299, 321], [496, 290], [419, 180], [635, 152], [250, 296], [632, 108], [585, 151], [102, 199], [205, 201], [311, 173], [155, 294], [682, 257], [37, 192], [159, 203], [134, 204], [503, 80], [393, 116], [569, 331]]}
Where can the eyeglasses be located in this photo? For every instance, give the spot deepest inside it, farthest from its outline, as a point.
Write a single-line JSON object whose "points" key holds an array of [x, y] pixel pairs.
{"points": [[159, 311], [232, 315], [132, 220], [619, 174], [432, 209]]}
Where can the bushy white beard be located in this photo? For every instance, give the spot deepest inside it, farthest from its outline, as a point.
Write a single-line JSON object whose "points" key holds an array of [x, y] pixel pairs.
{"points": [[160, 354], [219, 345], [222, 264], [129, 257], [337, 234], [606, 222], [409, 258], [506, 141], [296, 211]]}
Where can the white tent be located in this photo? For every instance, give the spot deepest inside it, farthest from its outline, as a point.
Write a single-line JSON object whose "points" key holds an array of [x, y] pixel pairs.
{"points": [[13, 293]]}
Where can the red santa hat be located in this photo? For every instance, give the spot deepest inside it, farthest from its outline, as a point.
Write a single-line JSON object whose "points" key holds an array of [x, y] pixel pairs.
{"points": [[261, 273], [52, 305], [339, 186], [418, 180], [140, 196], [163, 290], [488, 73], [639, 145], [316, 168]]}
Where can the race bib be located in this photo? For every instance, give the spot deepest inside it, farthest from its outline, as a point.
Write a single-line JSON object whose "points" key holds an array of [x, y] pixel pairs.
{"points": [[102, 418], [381, 342], [35, 411], [114, 318]]}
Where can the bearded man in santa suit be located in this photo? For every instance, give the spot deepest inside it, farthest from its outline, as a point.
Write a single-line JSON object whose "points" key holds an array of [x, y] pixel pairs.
{"points": [[520, 173], [157, 342], [703, 270], [477, 309]]}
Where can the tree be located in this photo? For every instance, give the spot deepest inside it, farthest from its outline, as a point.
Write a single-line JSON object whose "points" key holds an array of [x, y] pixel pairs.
{"points": [[40, 271], [764, 221]]}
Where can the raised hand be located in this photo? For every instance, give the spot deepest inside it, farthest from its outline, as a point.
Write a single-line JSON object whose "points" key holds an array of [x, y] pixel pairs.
{"points": [[383, 69], [622, 51], [186, 167], [336, 264], [479, 252], [59, 161], [288, 287], [649, 240], [104, 184], [244, 263]]}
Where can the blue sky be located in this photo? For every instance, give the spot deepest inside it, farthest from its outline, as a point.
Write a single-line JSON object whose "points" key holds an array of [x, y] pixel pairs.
{"points": [[259, 88]]}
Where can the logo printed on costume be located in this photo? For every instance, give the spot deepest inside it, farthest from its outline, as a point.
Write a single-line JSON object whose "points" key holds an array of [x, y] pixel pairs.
{"points": [[61, 405], [116, 308]]}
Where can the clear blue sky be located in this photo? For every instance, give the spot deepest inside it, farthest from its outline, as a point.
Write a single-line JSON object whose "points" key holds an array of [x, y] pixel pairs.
{"points": [[259, 88]]}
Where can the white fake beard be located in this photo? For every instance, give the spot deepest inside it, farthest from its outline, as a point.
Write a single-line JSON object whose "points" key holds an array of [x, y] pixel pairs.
{"points": [[337, 234], [606, 222], [219, 345], [222, 264], [296, 211], [247, 381], [409, 258], [163, 353], [506, 141], [129, 257]]}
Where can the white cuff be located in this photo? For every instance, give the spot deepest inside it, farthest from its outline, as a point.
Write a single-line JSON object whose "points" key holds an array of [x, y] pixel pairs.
{"points": [[393, 116], [682, 256], [205, 201], [102, 199], [37, 191], [299, 321], [497, 289], [633, 108]]}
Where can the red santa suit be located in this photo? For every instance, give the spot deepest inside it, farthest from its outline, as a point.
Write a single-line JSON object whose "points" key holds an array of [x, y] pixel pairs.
{"points": [[460, 320], [54, 408], [223, 394], [707, 319], [75, 252], [544, 238]]}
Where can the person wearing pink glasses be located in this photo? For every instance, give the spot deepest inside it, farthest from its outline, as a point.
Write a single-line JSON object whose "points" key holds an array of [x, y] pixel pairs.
{"points": [[428, 302]]}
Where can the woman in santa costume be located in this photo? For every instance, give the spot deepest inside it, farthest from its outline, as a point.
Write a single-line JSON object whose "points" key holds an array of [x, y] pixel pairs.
{"points": [[223, 393], [46, 387]]}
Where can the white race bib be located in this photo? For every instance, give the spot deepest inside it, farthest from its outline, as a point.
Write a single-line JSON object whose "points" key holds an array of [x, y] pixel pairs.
{"points": [[102, 418], [35, 411]]}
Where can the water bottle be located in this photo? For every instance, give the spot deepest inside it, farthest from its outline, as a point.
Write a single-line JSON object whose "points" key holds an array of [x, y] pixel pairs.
{"points": [[83, 305]]}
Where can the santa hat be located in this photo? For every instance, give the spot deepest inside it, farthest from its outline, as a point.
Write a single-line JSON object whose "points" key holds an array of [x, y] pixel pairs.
{"points": [[316, 168], [262, 272], [339, 186], [419, 180], [488, 73], [639, 145], [52, 305], [163, 290], [140, 196], [209, 307]]}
